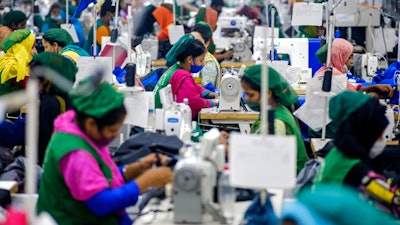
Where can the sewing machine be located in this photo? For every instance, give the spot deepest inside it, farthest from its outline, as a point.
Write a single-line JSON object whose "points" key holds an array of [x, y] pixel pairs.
{"points": [[195, 177], [301, 51], [233, 32], [174, 118], [231, 91]]}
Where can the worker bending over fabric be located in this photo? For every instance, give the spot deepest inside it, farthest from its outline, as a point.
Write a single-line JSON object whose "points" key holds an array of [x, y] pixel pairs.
{"points": [[188, 53], [80, 183], [358, 140]]}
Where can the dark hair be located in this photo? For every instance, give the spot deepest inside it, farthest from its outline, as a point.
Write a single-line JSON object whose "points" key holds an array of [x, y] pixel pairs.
{"points": [[249, 82], [203, 31], [52, 7], [60, 43], [107, 7], [109, 119], [195, 49]]}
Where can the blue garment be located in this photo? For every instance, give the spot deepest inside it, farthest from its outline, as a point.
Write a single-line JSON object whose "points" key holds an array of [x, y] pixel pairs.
{"points": [[390, 76], [78, 28], [117, 200], [303, 215], [258, 214]]}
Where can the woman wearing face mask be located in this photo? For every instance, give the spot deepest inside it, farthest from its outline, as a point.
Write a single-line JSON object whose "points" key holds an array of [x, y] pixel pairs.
{"points": [[53, 18], [189, 54], [358, 141], [280, 95], [80, 183]]}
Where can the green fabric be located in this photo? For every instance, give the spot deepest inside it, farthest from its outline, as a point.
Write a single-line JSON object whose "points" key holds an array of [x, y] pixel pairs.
{"points": [[163, 82], [52, 23], [343, 205], [179, 47], [276, 83], [322, 54], [307, 32], [65, 67], [15, 37], [343, 104], [283, 114], [98, 102], [55, 196], [201, 14], [206, 25], [80, 51], [58, 35], [15, 17], [7, 87], [71, 10], [335, 168], [89, 40]]}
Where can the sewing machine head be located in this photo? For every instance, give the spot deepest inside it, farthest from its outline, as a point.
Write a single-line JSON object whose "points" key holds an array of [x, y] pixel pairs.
{"points": [[195, 179], [296, 48]]}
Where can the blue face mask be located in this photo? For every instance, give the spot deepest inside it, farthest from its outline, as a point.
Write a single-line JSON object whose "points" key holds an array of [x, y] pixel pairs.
{"points": [[56, 17], [195, 68], [254, 106]]}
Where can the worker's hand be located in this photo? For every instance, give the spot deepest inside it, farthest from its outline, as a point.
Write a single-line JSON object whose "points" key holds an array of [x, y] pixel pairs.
{"points": [[216, 102], [148, 161], [156, 177], [384, 90], [227, 54]]}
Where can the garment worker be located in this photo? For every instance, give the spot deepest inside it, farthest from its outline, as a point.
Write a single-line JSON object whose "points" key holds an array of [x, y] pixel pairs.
{"points": [[107, 14], [280, 96], [53, 18], [211, 72], [81, 184], [188, 53], [19, 47], [53, 100], [60, 41], [359, 140], [12, 21]]}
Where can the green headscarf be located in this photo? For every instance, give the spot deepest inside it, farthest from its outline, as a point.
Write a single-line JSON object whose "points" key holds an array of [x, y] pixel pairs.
{"points": [[276, 83], [322, 54], [65, 67], [179, 47], [15, 37], [98, 102], [15, 17], [343, 104], [58, 35]]}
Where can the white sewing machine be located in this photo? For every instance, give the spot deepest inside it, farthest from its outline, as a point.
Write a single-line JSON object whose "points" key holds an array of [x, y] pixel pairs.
{"points": [[174, 118], [195, 177], [231, 91], [296, 48], [233, 32]]}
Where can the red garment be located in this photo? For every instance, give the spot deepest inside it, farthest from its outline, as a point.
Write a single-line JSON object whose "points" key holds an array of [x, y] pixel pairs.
{"points": [[183, 86], [211, 17], [164, 18]]}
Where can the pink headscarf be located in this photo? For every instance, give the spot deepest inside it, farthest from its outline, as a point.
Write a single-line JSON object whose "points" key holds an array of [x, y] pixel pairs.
{"points": [[340, 53]]}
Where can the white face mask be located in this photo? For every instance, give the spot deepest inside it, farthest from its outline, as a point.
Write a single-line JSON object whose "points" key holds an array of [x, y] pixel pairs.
{"points": [[377, 148]]}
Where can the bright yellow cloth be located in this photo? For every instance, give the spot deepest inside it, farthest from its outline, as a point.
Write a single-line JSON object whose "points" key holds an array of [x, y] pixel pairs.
{"points": [[14, 64]]}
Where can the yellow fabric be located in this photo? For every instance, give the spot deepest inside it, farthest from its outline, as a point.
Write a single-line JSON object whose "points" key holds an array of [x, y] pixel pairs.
{"points": [[72, 55], [379, 191], [14, 64], [63, 107]]}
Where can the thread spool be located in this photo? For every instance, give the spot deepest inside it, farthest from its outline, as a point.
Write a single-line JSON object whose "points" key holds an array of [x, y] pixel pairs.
{"points": [[130, 69]]}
